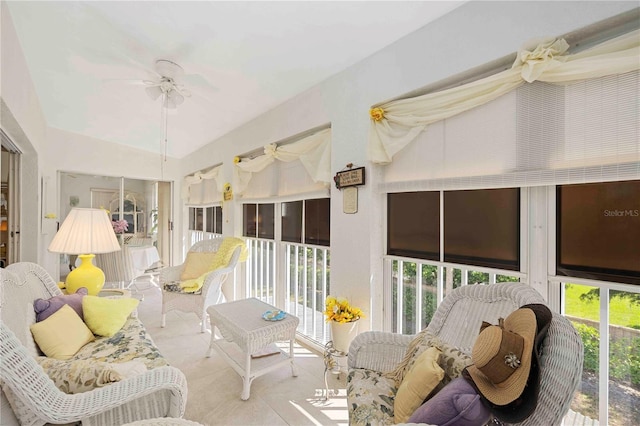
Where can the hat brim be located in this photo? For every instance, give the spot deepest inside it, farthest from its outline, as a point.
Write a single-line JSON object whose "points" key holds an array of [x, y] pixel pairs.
{"points": [[523, 323]]}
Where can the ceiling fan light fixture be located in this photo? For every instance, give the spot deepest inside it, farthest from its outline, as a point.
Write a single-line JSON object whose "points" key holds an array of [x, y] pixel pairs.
{"points": [[176, 97], [153, 92]]}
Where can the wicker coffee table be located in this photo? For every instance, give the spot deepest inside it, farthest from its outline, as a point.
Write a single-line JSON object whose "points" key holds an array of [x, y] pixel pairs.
{"points": [[245, 332]]}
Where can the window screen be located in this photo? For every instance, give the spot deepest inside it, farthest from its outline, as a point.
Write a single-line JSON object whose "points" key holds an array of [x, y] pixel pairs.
{"points": [[482, 227], [598, 231], [317, 229], [413, 224], [292, 221], [210, 222], [266, 224], [218, 219], [249, 224]]}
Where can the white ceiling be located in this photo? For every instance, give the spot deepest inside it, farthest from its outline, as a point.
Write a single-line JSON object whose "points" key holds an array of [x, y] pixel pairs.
{"points": [[241, 59]]}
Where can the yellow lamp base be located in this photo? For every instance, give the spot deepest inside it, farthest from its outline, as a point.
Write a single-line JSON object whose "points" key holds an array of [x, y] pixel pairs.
{"points": [[86, 275]]}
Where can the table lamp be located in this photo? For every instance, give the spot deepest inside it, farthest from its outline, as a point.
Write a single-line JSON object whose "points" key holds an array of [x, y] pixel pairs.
{"points": [[85, 232]]}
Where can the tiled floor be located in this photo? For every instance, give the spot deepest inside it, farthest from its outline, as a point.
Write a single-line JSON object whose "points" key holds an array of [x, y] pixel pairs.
{"points": [[277, 398]]}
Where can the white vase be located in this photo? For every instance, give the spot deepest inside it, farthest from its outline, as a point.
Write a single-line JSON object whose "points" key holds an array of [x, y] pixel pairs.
{"points": [[342, 334]]}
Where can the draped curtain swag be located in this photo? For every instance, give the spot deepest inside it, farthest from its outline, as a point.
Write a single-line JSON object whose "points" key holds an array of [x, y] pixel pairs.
{"points": [[198, 177], [395, 124], [313, 151]]}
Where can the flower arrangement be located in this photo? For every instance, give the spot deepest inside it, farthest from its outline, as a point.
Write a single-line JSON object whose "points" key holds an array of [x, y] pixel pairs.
{"points": [[339, 310], [119, 226]]}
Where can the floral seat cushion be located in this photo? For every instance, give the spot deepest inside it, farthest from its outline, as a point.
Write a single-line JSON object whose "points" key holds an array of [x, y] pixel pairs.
{"points": [[371, 395], [132, 342]]}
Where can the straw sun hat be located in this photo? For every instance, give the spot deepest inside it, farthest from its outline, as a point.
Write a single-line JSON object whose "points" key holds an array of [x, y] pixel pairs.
{"points": [[502, 357]]}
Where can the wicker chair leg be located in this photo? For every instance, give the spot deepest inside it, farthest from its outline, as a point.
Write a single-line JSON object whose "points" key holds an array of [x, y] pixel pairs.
{"points": [[163, 322]]}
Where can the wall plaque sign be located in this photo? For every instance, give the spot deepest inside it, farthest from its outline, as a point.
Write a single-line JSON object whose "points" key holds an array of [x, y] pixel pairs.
{"points": [[352, 177]]}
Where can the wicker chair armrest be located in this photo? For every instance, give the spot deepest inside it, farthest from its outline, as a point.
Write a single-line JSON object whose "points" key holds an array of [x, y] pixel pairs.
{"points": [[170, 273], [378, 351], [66, 408], [116, 394]]}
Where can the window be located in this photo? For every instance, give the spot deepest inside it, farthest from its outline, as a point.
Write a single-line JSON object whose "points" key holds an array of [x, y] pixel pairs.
{"points": [[196, 220], [258, 221], [315, 214], [598, 231], [317, 229], [414, 224], [482, 227], [214, 219], [292, 221]]}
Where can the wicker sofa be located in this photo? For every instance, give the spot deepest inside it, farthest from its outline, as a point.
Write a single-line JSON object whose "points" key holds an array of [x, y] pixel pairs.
{"points": [[159, 391], [370, 394]]}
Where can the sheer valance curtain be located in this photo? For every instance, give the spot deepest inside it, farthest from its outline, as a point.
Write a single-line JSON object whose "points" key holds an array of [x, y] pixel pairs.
{"points": [[203, 188], [397, 123], [302, 168]]}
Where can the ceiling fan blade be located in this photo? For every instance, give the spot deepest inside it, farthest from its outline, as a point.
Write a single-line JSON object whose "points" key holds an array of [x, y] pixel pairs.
{"points": [[183, 91]]}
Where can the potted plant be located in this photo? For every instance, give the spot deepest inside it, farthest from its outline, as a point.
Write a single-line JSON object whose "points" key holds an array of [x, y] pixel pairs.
{"points": [[343, 318]]}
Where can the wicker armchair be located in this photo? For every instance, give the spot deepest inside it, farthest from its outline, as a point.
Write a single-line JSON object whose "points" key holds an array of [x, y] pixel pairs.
{"points": [[457, 322], [35, 399], [211, 292]]}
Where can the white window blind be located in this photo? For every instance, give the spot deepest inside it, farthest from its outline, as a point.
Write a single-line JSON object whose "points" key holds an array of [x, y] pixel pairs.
{"points": [[540, 134], [287, 177], [203, 188]]}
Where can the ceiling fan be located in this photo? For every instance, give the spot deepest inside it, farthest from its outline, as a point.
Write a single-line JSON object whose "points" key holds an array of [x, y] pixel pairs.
{"points": [[168, 85]]}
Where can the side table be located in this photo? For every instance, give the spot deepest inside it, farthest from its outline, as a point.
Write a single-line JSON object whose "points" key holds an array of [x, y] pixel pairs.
{"points": [[335, 362], [245, 332]]}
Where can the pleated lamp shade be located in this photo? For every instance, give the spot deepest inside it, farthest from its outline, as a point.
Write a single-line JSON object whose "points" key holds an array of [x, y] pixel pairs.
{"points": [[85, 231]]}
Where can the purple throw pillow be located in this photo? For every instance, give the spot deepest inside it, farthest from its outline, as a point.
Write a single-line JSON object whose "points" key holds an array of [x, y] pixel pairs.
{"points": [[457, 403], [45, 308]]}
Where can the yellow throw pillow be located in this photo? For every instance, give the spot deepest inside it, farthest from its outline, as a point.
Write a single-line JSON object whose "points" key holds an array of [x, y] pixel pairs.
{"points": [[197, 264], [417, 384], [106, 316], [62, 334]]}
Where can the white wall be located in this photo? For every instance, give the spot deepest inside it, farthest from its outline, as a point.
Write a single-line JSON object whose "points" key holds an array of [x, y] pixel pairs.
{"points": [[22, 119], [470, 36]]}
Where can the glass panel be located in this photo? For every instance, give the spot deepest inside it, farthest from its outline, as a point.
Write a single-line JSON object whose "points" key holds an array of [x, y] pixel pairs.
{"points": [[192, 219], [476, 277], [413, 224], [249, 225], [317, 227], [599, 230], [429, 288], [218, 220], [199, 219], [210, 222], [583, 311], [624, 358], [394, 297], [452, 279], [292, 221], [266, 225], [507, 279], [482, 227], [409, 298]]}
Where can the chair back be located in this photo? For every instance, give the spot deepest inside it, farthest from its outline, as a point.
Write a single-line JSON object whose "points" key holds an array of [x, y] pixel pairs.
{"points": [[210, 245], [457, 321], [117, 266]]}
